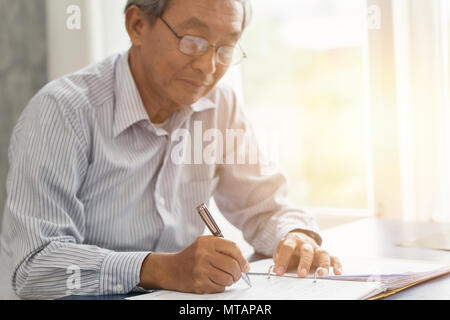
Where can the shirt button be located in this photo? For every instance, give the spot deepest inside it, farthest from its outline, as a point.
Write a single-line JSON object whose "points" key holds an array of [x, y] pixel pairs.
{"points": [[119, 288]]}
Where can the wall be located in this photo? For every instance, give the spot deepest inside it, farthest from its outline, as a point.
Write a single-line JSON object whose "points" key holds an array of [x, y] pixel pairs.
{"points": [[101, 33], [23, 68]]}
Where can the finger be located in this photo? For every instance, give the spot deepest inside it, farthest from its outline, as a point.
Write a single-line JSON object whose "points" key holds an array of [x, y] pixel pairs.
{"points": [[206, 285], [227, 264], [219, 277], [213, 287], [230, 249], [323, 262], [283, 255], [306, 259], [337, 265]]}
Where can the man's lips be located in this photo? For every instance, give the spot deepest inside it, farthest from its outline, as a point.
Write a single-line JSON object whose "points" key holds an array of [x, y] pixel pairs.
{"points": [[197, 84]]}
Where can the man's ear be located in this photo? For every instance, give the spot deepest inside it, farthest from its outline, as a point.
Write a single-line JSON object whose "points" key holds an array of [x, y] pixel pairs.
{"points": [[135, 22]]}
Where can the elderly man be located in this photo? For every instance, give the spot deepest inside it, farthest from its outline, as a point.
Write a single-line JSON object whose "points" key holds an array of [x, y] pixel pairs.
{"points": [[94, 191]]}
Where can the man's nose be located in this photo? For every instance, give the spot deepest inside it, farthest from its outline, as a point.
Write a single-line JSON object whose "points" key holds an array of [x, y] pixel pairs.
{"points": [[206, 63]]}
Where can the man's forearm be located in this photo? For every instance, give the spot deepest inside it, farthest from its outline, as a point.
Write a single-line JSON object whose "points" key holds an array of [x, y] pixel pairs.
{"points": [[63, 269]]}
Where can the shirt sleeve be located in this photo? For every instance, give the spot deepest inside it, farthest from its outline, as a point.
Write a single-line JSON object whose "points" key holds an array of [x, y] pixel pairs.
{"points": [[252, 195], [44, 222]]}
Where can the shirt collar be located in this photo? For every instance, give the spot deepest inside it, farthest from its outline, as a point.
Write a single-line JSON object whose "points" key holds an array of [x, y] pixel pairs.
{"points": [[202, 105], [129, 108]]}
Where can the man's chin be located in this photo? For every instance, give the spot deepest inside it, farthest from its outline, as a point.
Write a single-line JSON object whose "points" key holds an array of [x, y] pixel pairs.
{"points": [[190, 99]]}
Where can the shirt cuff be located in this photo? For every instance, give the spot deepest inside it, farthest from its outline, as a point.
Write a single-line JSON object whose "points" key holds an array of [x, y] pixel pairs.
{"points": [[120, 272]]}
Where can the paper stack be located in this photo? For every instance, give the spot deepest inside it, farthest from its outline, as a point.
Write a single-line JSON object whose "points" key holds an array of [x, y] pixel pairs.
{"points": [[394, 275]]}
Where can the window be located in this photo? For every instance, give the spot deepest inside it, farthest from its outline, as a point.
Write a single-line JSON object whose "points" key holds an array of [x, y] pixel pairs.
{"points": [[423, 104], [304, 82]]}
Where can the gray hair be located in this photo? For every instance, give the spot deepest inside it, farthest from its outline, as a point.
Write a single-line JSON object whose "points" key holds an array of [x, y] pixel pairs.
{"points": [[156, 8]]}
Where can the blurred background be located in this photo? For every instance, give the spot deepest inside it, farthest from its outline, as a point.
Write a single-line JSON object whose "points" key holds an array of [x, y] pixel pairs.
{"points": [[357, 90]]}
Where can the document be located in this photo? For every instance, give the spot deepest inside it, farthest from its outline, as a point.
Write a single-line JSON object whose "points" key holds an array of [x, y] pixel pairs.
{"points": [[395, 275], [279, 288], [368, 278]]}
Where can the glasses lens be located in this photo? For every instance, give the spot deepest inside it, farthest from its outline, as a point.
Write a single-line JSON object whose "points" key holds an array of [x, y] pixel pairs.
{"points": [[193, 46], [230, 55], [226, 55]]}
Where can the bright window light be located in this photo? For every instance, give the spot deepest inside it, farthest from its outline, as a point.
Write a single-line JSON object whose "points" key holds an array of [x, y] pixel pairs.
{"points": [[304, 79]]}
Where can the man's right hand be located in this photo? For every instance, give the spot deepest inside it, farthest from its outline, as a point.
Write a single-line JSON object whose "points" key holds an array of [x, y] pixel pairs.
{"points": [[209, 265]]}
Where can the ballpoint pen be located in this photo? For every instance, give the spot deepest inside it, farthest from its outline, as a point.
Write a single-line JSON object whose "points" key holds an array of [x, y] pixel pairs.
{"points": [[214, 228]]}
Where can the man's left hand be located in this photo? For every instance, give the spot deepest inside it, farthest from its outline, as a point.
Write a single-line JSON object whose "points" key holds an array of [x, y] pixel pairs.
{"points": [[300, 251]]}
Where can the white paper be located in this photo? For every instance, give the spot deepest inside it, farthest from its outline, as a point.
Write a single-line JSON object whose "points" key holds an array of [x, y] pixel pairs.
{"points": [[363, 273], [279, 288]]}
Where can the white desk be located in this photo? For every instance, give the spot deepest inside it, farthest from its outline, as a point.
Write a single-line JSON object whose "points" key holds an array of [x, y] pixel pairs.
{"points": [[379, 238]]}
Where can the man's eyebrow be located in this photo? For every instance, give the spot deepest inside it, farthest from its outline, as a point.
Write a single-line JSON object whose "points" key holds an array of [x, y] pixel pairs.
{"points": [[194, 22], [197, 23]]}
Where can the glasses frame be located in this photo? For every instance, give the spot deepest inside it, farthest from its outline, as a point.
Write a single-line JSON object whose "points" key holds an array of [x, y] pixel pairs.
{"points": [[180, 38]]}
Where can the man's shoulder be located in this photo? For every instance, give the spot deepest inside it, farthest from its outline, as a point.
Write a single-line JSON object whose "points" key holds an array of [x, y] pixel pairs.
{"points": [[90, 86]]}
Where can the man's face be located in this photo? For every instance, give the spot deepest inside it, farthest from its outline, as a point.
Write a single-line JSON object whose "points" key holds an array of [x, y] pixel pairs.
{"points": [[175, 76]]}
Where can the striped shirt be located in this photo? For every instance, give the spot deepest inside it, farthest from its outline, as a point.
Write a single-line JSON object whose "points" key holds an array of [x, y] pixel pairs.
{"points": [[93, 189]]}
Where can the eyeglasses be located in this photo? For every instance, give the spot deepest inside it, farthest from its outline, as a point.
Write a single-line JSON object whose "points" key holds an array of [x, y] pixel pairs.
{"points": [[196, 46]]}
